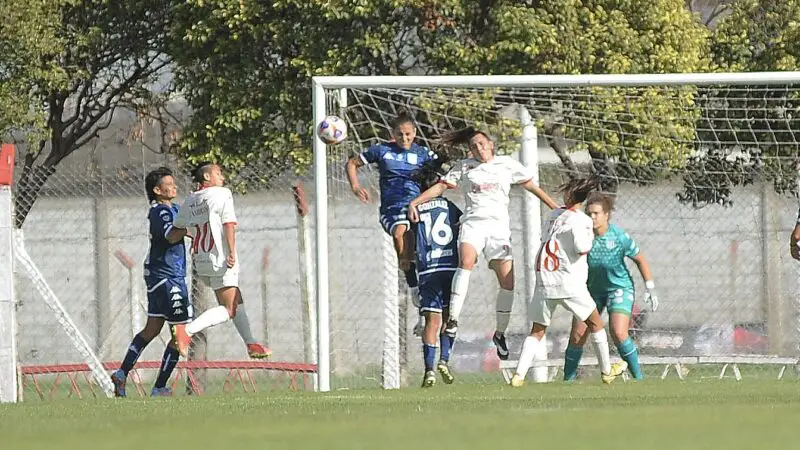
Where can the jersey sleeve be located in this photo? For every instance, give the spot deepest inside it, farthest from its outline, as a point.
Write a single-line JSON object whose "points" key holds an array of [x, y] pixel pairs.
{"points": [[181, 219], [519, 172], [629, 245], [453, 176], [161, 221], [227, 213], [583, 236], [371, 155]]}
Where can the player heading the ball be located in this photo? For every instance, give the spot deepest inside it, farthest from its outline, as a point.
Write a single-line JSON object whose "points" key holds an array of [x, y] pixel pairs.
{"points": [[210, 211], [486, 181], [397, 162], [561, 272]]}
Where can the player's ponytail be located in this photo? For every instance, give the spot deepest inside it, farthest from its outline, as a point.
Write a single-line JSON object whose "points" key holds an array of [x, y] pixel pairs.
{"points": [[431, 171], [577, 190], [463, 136]]}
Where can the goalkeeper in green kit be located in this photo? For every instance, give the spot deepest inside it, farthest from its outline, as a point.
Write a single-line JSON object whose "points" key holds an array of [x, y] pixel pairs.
{"points": [[611, 286]]}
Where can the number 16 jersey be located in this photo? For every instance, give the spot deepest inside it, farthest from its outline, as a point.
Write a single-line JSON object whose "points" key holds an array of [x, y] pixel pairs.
{"points": [[436, 236], [207, 210]]}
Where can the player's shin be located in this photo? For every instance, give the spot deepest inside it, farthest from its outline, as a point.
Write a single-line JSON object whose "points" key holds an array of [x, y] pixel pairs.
{"points": [[433, 321], [211, 317], [599, 341], [530, 348], [168, 362], [630, 354], [138, 344], [458, 293], [504, 302], [242, 324], [572, 359]]}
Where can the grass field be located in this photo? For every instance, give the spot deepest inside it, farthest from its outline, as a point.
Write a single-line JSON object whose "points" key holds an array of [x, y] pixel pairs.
{"points": [[647, 415]]}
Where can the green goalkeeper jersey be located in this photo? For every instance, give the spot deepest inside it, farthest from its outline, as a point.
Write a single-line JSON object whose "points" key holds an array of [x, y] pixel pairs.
{"points": [[607, 270]]}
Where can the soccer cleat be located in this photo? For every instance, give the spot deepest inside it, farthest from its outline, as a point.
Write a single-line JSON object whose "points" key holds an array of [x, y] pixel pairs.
{"points": [[429, 379], [451, 328], [119, 379], [444, 371], [182, 339], [517, 381], [258, 351], [617, 369], [161, 392], [499, 340]]}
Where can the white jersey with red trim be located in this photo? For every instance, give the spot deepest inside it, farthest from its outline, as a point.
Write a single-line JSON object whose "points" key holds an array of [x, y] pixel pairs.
{"points": [[561, 267], [487, 186], [203, 213]]}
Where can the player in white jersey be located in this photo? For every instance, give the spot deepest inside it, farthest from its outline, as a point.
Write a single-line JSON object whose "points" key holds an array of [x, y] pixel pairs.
{"points": [[486, 180], [561, 273], [210, 211]]}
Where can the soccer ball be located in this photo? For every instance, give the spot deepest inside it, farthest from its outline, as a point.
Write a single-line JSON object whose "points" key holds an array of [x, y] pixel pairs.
{"points": [[332, 130]]}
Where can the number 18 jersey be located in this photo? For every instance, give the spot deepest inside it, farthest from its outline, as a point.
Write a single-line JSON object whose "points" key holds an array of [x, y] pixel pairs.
{"points": [[436, 236], [207, 210], [561, 267]]}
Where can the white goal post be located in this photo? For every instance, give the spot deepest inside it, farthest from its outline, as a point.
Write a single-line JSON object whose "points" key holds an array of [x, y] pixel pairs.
{"points": [[323, 85]]}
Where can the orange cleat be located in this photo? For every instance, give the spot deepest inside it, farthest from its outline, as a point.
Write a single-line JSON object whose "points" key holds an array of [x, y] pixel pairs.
{"points": [[182, 339], [258, 351]]}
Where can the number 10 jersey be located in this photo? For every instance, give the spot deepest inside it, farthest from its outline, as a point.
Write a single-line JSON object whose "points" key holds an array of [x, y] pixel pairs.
{"points": [[206, 211]]}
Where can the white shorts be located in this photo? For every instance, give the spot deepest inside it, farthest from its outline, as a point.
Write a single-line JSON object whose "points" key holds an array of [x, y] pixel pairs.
{"points": [[488, 236], [229, 278], [541, 308]]}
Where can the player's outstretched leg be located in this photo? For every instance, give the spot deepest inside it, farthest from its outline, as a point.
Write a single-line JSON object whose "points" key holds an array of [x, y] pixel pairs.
{"points": [[468, 256], [530, 354], [242, 323], [119, 377]]}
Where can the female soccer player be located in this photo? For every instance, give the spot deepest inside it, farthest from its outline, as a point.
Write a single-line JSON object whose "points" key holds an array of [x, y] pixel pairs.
{"points": [[210, 210], [397, 161], [486, 179], [611, 286], [164, 274], [437, 260], [561, 272]]}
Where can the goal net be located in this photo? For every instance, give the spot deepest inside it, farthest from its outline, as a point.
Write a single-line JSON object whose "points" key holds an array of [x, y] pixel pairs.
{"points": [[704, 171]]}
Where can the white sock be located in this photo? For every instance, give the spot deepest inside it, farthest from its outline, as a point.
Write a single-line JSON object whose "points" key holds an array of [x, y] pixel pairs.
{"points": [[505, 299], [458, 292], [529, 349], [540, 374], [600, 343], [242, 324], [210, 318]]}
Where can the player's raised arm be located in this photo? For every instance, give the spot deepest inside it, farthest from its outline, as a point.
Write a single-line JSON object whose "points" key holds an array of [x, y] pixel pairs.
{"points": [[352, 176], [794, 241], [540, 193], [431, 193]]}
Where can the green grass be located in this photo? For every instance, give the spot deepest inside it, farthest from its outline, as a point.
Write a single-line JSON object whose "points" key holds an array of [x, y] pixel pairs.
{"points": [[653, 414]]}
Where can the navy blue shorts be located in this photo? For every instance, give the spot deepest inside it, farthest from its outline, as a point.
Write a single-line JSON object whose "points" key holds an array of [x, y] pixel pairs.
{"points": [[168, 298], [392, 217], [434, 290]]}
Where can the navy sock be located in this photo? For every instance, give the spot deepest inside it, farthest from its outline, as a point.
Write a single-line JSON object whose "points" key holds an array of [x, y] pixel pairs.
{"points": [[168, 362], [411, 276], [137, 345], [429, 354], [447, 344]]}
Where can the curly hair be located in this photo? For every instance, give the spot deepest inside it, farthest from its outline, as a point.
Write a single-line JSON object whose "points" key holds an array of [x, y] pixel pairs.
{"points": [[605, 201]]}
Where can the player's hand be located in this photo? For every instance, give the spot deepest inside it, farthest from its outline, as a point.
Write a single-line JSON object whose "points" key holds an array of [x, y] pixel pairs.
{"points": [[231, 260], [413, 214], [650, 296], [362, 194]]}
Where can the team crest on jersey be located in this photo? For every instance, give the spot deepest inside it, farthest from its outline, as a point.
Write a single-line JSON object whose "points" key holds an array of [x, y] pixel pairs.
{"points": [[610, 244]]}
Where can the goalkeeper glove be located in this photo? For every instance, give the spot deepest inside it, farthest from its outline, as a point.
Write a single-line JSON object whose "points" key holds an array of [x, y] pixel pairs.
{"points": [[650, 295]]}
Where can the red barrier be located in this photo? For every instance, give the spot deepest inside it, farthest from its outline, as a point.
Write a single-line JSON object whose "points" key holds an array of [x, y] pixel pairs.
{"points": [[237, 370]]}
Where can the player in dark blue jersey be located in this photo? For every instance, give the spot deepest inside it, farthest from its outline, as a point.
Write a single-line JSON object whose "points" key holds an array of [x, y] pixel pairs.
{"points": [[436, 235], [164, 275], [397, 162]]}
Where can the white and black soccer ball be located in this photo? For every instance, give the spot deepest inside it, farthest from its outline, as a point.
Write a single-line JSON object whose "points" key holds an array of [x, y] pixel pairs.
{"points": [[332, 130]]}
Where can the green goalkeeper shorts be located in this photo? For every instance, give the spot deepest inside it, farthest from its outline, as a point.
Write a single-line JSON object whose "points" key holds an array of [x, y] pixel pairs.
{"points": [[618, 301]]}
